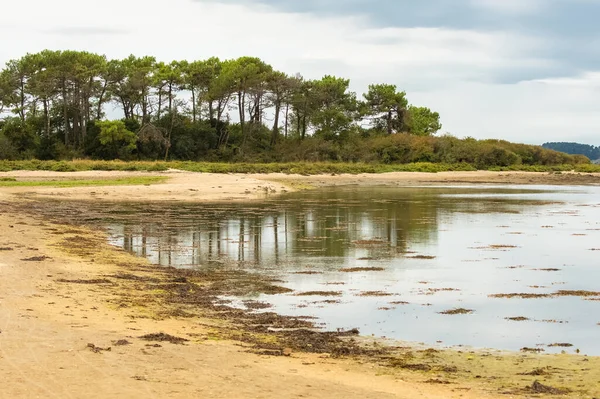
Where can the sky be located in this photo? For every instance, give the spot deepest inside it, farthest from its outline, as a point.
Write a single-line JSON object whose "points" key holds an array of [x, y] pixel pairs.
{"points": [[520, 70]]}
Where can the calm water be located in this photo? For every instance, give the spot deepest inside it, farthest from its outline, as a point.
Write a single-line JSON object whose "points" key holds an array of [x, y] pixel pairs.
{"points": [[439, 248]]}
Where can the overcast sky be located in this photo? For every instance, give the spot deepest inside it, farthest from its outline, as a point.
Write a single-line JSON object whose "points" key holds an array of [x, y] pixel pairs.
{"points": [[522, 70]]}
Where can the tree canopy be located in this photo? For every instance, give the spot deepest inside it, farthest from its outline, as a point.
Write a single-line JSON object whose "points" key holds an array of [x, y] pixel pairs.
{"points": [[77, 104], [58, 99]]}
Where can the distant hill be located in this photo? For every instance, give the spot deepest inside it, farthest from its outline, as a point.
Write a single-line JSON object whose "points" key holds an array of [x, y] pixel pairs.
{"points": [[589, 151]]}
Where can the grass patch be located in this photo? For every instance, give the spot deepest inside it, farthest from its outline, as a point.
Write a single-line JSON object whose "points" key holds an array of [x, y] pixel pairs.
{"points": [[303, 168], [128, 181]]}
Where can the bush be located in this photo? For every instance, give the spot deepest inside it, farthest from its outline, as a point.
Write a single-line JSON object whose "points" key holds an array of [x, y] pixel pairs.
{"points": [[7, 149]]}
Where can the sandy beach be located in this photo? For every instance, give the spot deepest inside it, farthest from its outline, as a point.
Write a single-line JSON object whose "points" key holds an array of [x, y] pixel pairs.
{"points": [[70, 327], [188, 186]]}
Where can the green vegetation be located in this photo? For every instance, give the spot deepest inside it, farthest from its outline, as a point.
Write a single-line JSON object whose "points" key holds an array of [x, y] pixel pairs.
{"points": [[303, 168], [589, 151], [53, 104], [129, 181]]}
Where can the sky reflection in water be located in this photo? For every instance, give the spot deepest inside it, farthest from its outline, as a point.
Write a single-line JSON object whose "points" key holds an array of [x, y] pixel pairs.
{"points": [[479, 241]]}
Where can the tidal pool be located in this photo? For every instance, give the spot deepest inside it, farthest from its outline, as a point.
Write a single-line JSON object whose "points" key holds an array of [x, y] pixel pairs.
{"points": [[390, 261]]}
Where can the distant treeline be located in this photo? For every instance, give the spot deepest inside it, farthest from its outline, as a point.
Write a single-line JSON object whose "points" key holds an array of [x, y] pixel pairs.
{"points": [[54, 106], [589, 151]]}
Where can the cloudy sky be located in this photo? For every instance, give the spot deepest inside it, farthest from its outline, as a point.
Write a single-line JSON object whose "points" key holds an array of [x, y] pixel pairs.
{"points": [[523, 70]]}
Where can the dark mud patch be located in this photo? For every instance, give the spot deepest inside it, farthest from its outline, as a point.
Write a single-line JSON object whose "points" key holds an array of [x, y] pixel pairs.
{"points": [[579, 293], [532, 350], [457, 311], [495, 247], [362, 269], [176, 313], [399, 303], [162, 337], [338, 344], [319, 293], [374, 294], [82, 281], [133, 277], [539, 388], [407, 362], [520, 295], [97, 349], [36, 259], [424, 257], [436, 381], [256, 305], [414, 366], [550, 269], [518, 318], [266, 322], [538, 372], [328, 302]]}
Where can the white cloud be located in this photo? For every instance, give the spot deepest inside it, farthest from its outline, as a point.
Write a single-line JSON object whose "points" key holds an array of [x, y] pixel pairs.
{"points": [[437, 66], [586, 80]]}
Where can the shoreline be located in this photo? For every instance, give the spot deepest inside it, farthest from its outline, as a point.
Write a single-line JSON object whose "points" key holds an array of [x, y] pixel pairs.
{"points": [[63, 287], [201, 187]]}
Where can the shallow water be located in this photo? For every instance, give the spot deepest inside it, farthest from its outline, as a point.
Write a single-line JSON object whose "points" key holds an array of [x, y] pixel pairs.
{"points": [[433, 249]]}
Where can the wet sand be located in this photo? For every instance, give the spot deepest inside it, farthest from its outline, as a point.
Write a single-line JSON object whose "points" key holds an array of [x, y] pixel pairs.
{"points": [[61, 308]]}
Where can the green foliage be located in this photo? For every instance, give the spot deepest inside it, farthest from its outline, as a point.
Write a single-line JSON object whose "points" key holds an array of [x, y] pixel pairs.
{"points": [[181, 111], [421, 121], [387, 107], [129, 181], [278, 167], [114, 135], [21, 135], [7, 149]]}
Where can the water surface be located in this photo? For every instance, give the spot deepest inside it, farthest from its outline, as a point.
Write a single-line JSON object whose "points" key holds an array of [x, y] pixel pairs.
{"points": [[430, 250]]}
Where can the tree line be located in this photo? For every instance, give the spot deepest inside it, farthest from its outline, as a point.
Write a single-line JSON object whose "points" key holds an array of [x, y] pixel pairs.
{"points": [[56, 103]]}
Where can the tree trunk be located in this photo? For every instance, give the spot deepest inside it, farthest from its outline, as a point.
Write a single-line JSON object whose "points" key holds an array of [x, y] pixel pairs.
{"points": [[389, 122], [170, 97], [46, 118], [303, 126], [22, 109], [287, 112], [144, 108], [242, 112], [125, 107], [100, 100], [159, 104], [65, 110], [193, 105], [169, 136], [275, 134]]}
